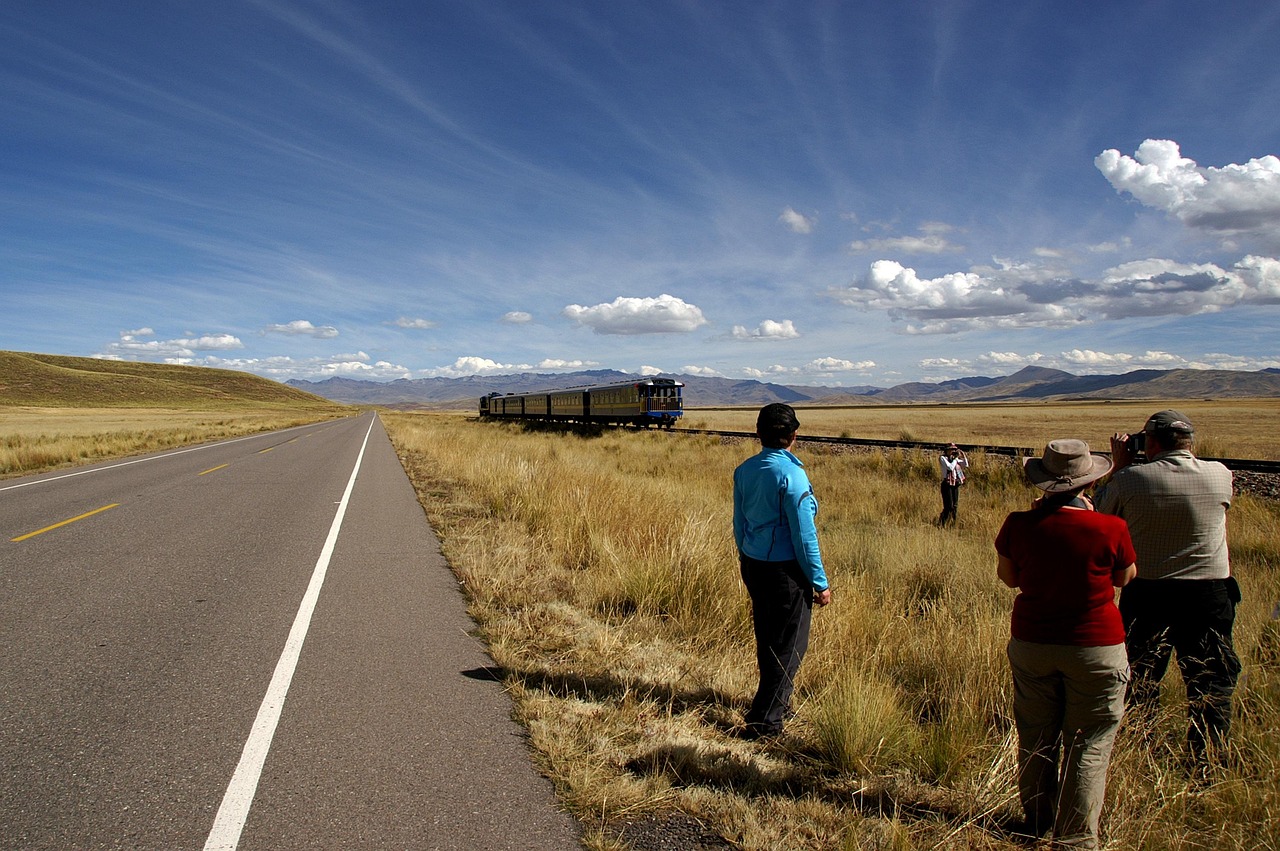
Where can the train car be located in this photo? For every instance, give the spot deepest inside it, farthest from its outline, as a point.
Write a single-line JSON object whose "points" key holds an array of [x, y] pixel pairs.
{"points": [[644, 403]]}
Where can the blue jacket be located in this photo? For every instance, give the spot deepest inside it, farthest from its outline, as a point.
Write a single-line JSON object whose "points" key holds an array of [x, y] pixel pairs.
{"points": [[774, 510]]}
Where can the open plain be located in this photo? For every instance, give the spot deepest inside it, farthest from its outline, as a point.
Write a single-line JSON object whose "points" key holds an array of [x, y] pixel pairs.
{"points": [[601, 575]]}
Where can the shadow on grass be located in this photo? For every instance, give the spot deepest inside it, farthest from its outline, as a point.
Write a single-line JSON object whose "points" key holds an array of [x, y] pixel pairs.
{"points": [[795, 769]]}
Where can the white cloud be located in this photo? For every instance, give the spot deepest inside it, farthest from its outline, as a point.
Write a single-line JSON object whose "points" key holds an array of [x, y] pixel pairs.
{"points": [[556, 363], [1234, 199], [703, 371], [837, 365], [1110, 247], [797, 222], [414, 324], [303, 327], [664, 314], [129, 347], [768, 372], [283, 368], [651, 370], [1010, 358], [1024, 296], [929, 244], [767, 330], [1090, 361], [472, 365], [816, 368], [517, 317]]}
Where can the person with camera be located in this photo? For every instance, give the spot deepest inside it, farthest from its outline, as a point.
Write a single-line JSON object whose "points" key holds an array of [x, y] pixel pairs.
{"points": [[773, 527], [1184, 598], [953, 462]]}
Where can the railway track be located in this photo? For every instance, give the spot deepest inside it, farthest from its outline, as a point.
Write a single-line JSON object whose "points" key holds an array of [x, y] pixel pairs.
{"points": [[1245, 464]]}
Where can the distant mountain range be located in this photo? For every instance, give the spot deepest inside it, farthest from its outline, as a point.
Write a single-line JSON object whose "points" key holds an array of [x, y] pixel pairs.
{"points": [[1030, 383]]}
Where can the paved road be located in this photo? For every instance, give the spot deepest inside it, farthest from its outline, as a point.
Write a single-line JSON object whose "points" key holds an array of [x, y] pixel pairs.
{"points": [[251, 644]]}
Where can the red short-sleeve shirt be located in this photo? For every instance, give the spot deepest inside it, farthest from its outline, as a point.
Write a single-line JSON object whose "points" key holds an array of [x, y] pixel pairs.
{"points": [[1063, 560]]}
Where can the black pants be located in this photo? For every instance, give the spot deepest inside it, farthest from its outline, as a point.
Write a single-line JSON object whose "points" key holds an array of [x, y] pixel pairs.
{"points": [[950, 499], [781, 609], [1193, 618]]}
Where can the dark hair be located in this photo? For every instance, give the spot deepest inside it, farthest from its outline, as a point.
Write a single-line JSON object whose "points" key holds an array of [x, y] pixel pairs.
{"points": [[775, 423]]}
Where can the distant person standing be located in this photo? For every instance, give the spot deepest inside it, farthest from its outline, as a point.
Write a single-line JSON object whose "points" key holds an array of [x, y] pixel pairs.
{"points": [[1066, 649], [773, 526], [954, 463], [1184, 599]]}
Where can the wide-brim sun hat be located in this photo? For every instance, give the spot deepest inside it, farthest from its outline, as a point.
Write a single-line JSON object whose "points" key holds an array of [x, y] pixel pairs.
{"points": [[1066, 465]]}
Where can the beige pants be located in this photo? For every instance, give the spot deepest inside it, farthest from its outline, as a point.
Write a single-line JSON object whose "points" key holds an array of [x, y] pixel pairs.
{"points": [[1067, 704]]}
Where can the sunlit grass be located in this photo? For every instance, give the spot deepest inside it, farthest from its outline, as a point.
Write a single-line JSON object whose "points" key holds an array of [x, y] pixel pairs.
{"points": [[34, 440], [602, 573], [1227, 428]]}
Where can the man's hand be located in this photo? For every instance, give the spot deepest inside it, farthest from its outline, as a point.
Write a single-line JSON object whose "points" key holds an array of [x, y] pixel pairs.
{"points": [[823, 597], [1120, 454]]}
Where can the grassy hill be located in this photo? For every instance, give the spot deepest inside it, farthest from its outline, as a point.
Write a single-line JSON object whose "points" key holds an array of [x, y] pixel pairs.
{"points": [[56, 381]]}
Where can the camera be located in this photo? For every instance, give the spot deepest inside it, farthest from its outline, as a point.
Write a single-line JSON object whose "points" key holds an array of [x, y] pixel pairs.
{"points": [[1136, 443]]}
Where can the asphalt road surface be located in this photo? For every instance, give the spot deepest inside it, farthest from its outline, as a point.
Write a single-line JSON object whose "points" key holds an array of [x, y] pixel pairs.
{"points": [[252, 644]]}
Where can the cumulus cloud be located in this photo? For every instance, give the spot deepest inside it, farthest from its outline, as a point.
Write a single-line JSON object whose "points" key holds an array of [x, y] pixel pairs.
{"points": [[179, 350], [410, 323], [284, 368], [703, 371], [517, 317], [624, 315], [816, 368], [651, 370], [557, 363], [1022, 297], [1090, 361], [1231, 200], [301, 327], [472, 365], [1010, 358], [797, 222], [767, 330]]}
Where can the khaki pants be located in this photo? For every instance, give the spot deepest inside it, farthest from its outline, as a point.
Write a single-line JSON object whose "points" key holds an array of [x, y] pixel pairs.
{"points": [[1068, 702]]}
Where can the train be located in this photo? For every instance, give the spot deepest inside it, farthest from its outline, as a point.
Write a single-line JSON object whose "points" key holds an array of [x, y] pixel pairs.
{"points": [[644, 403]]}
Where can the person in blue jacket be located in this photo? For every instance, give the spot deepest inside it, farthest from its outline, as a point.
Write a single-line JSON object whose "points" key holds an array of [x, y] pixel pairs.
{"points": [[773, 526]]}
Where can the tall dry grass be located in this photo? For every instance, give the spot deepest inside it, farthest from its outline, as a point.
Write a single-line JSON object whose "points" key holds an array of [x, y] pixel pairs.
{"points": [[602, 572], [33, 440]]}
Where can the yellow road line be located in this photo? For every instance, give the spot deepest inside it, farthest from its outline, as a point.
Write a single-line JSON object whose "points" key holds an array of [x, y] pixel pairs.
{"points": [[63, 523], [263, 451], [213, 469]]}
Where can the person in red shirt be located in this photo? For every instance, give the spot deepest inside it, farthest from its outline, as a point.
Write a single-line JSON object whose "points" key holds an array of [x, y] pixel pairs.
{"points": [[1066, 651]]}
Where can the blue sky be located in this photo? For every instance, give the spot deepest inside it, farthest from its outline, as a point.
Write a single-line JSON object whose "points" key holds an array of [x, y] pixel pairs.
{"points": [[803, 192]]}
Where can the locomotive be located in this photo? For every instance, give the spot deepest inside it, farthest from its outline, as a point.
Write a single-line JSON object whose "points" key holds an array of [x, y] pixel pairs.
{"points": [[643, 403]]}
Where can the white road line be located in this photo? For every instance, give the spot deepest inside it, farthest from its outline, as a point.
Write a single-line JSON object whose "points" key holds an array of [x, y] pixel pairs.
{"points": [[148, 458], [234, 810]]}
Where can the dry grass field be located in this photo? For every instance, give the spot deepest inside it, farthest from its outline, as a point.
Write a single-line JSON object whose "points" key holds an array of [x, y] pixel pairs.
{"points": [[57, 411], [36, 439], [1225, 429], [602, 574]]}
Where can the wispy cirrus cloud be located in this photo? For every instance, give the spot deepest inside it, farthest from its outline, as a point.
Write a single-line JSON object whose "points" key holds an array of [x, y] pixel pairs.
{"points": [[797, 222]]}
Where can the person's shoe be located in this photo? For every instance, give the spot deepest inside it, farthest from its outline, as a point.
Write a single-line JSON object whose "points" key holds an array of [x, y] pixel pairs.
{"points": [[756, 732]]}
